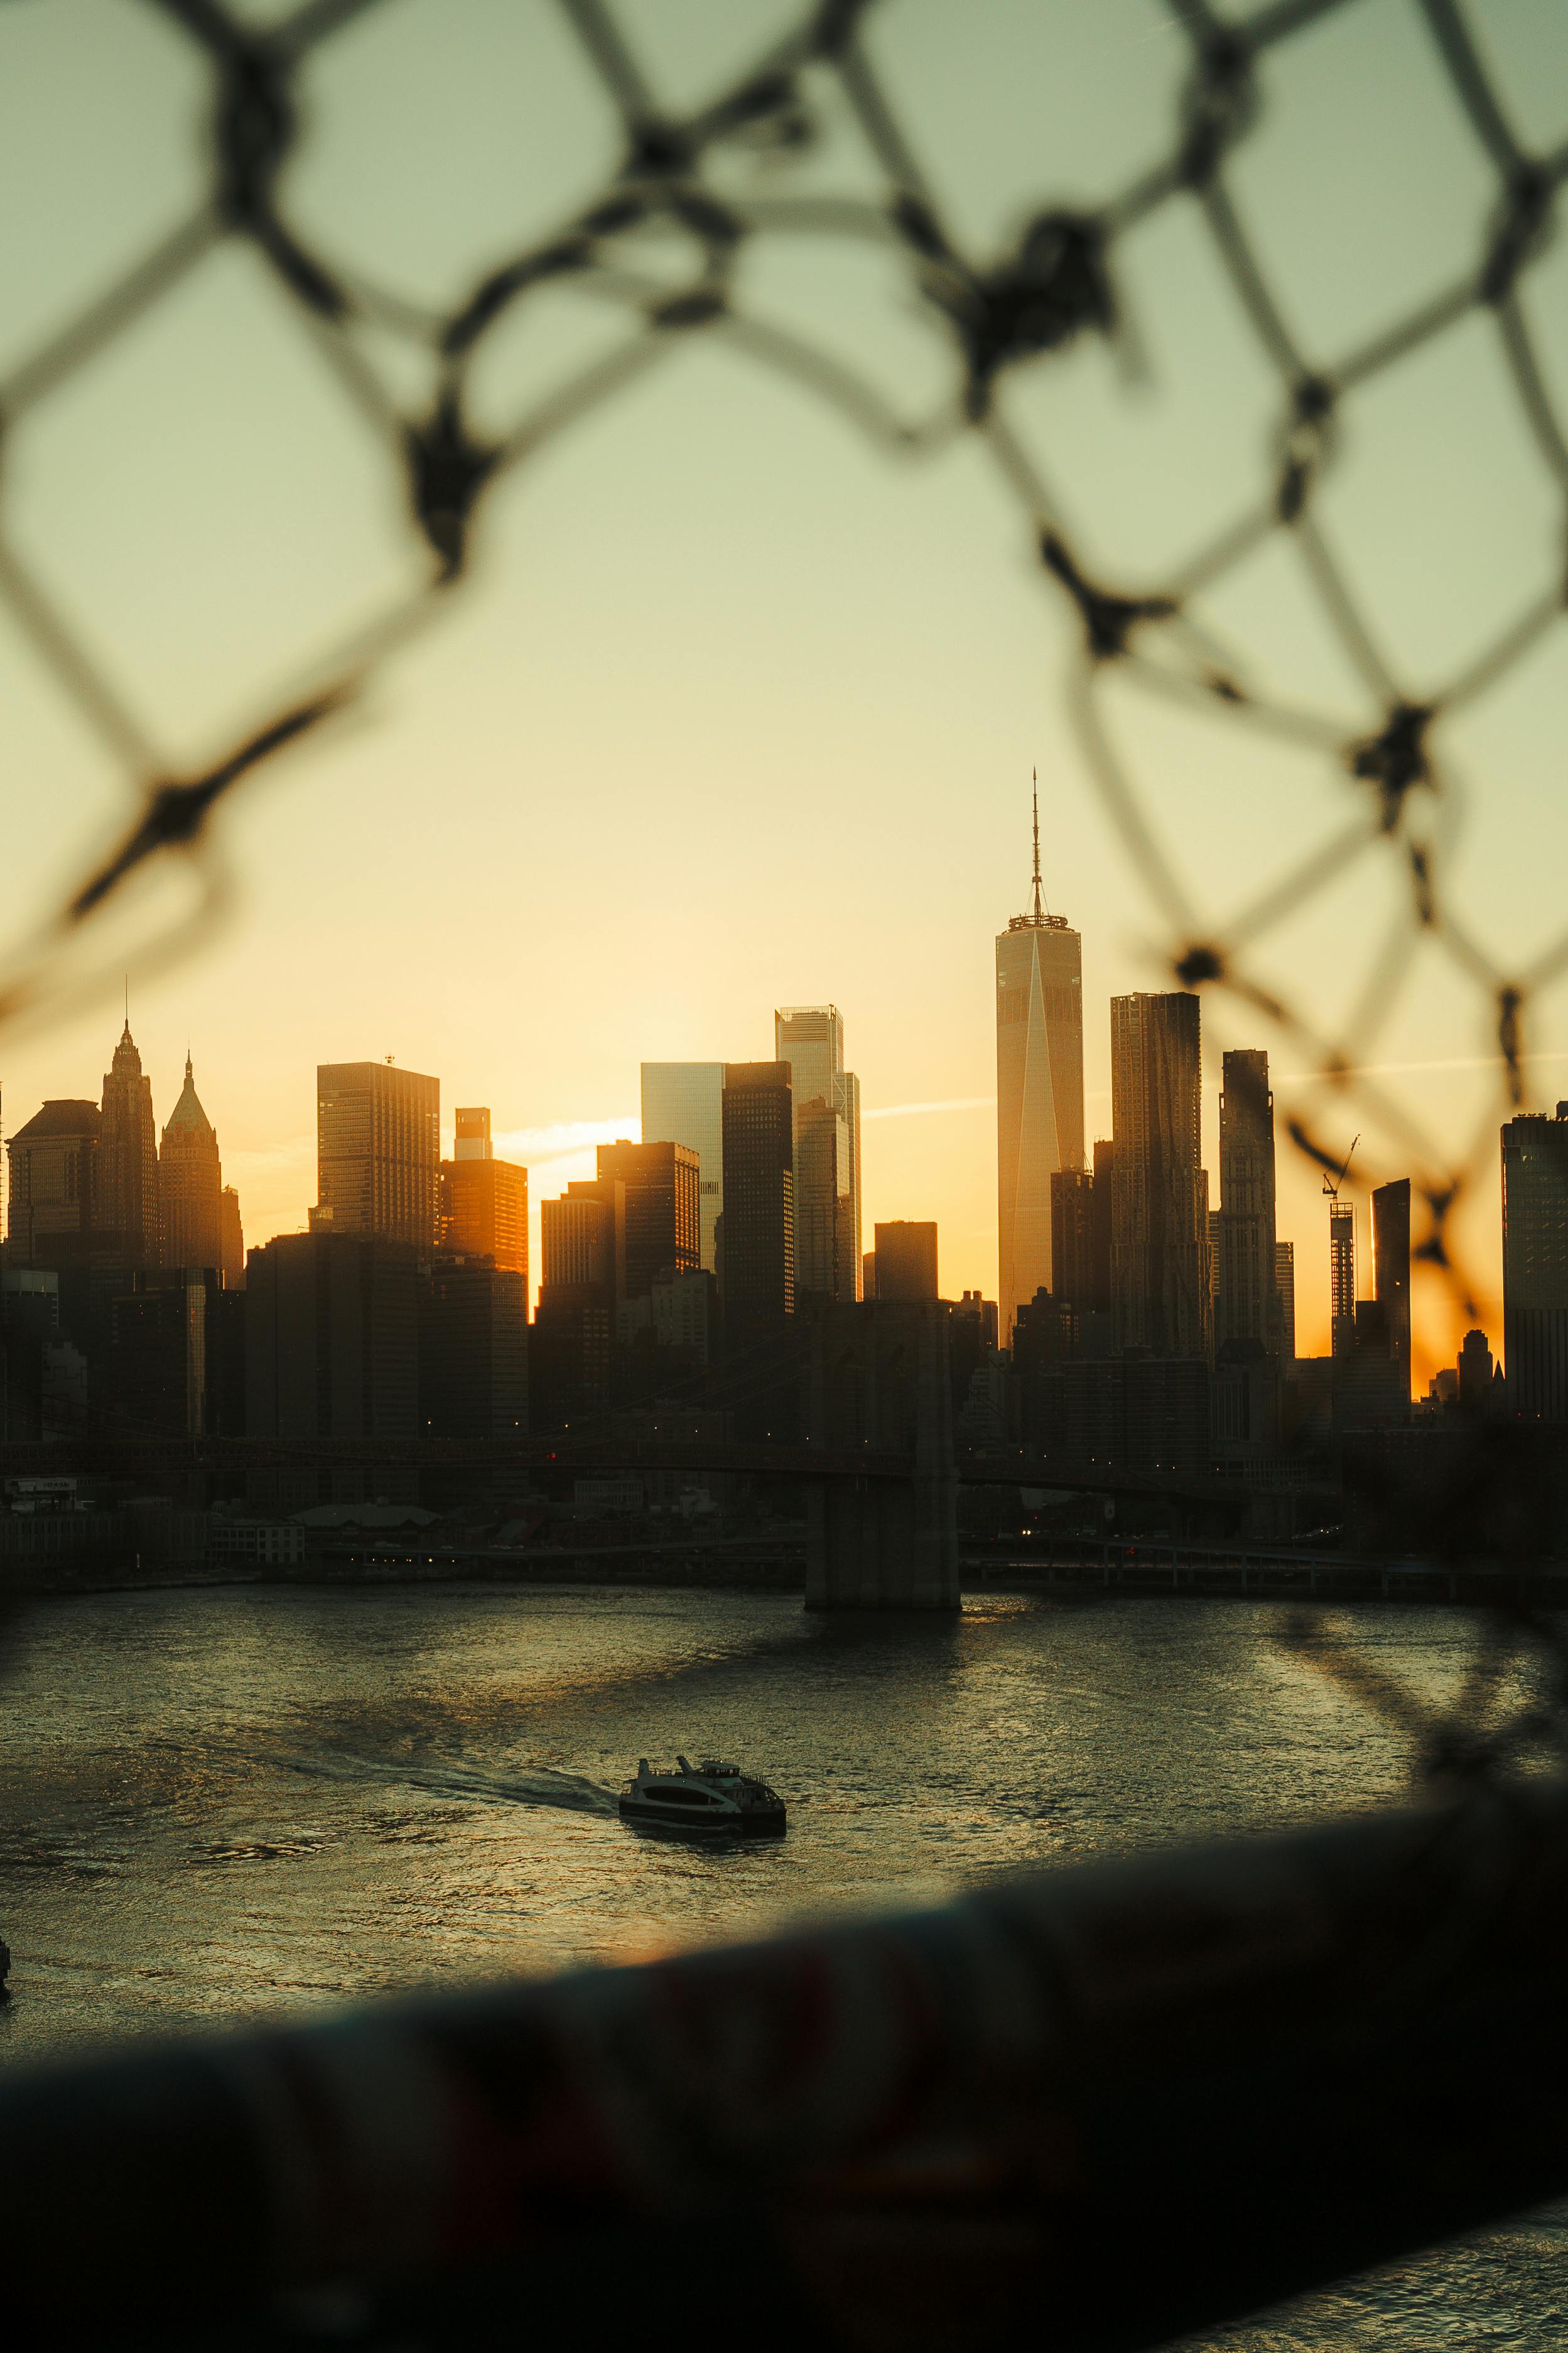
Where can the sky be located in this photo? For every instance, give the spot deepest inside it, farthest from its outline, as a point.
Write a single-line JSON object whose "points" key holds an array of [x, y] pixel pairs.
{"points": [[737, 709]]}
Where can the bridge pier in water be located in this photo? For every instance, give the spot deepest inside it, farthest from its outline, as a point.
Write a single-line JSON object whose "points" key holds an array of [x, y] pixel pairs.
{"points": [[879, 1380]]}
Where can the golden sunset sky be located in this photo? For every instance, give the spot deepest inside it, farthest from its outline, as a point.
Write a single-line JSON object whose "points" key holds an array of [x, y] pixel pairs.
{"points": [[738, 710]]}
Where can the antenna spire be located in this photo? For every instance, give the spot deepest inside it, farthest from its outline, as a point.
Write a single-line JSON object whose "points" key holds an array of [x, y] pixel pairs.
{"points": [[1035, 786]]}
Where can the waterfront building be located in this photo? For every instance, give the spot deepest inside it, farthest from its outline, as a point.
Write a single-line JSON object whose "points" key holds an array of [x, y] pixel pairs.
{"points": [[378, 1154], [757, 1275], [682, 1103], [190, 1184], [906, 1260], [1161, 1285], [473, 1349], [331, 1338], [827, 1228], [483, 1200], [1039, 1087], [658, 1212], [53, 1180], [1535, 1264], [127, 1204], [164, 1352], [1246, 1274]]}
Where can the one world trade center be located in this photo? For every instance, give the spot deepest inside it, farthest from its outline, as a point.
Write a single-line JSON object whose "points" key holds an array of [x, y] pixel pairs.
{"points": [[1039, 1089]]}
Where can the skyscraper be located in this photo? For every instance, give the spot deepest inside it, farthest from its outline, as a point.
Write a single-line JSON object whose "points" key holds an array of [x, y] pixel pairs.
{"points": [[484, 1201], [570, 1347], [473, 1349], [1081, 1233], [1391, 1272], [190, 1184], [231, 1234], [682, 1103], [128, 1157], [54, 1180], [1341, 1274], [1535, 1264], [1160, 1264], [331, 1339], [810, 1039], [659, 1211], [758, 1277], [1285, 1292], [1039, 1087], [378, 1153], [1246, 1298]]}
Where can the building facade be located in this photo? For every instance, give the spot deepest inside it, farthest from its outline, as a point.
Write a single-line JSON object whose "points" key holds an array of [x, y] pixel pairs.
{"points": [[827, 1228], [473, 1349], [1161, 1284], [190, 1184], [658, 1201], [1285, 1292], [231, 1241], [331, 1338], [1342, 1275], [53, 1180], [128, 1158], [378, 1154], [1535, 1264], [757, 1270], [483, 1200], [683, 1102], [1391, 1272], [1246, 1287], [1040, 1089]]}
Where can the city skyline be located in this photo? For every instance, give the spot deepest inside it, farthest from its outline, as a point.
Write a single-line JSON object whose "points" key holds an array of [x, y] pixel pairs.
{"points": [[574, 1154]]}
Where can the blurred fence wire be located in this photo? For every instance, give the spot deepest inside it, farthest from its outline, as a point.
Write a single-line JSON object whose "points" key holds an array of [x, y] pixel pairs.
{"points": [[660, 243]]}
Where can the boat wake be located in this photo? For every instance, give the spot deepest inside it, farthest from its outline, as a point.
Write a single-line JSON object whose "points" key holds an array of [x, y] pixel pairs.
{"points": [[538, 1785]]}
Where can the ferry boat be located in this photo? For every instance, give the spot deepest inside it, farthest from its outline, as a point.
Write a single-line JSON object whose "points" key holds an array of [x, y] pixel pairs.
{"points": [[707, 1797]]}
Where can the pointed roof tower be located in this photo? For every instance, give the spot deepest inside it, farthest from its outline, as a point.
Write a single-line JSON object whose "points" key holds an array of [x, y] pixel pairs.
{"points": [[188, 1112]]}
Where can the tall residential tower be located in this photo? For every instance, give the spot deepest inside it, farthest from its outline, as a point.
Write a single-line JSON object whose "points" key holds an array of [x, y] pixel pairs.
{"points": [[1160, 1267], [1039, 1087]]}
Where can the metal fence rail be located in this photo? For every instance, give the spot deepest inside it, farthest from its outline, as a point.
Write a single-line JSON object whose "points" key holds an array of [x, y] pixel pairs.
{"points": [[1091, 2109]]}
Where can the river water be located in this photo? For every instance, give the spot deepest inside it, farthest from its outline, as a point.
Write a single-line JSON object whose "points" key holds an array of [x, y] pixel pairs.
{"points": [[244, 1800]]}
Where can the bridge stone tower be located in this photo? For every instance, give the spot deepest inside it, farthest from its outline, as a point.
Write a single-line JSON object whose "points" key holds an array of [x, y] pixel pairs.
{"points": [[879, 1380]]}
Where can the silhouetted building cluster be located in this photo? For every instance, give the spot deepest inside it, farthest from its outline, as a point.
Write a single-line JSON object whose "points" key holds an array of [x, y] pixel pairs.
{"points": [[123, 1263]]}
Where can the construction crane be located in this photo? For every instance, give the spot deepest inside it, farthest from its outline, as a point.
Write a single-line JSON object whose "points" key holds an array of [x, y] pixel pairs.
{"points": [[1332, 1184]]}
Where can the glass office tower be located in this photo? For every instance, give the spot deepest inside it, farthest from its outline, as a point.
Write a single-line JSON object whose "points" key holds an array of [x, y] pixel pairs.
{"points": [[1039, 1091], [682, 1103], [810, 1039]]}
